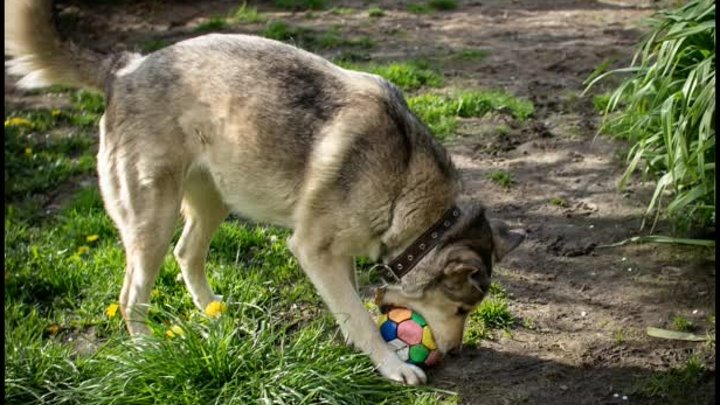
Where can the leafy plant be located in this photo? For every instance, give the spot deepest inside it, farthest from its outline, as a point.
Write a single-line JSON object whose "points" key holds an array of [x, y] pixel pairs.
{"points": [[666, 110]]}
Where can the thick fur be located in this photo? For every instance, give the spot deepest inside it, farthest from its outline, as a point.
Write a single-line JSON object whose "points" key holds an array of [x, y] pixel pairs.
{"points": [[238, 123]]}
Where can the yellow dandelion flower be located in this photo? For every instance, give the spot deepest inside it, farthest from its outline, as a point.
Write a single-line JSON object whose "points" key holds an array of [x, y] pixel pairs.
{"points": [[92, 238], [53, 329], [111, 310], [83, 249], [17, 122], [28, 152], [174, 331], [215, 309]]}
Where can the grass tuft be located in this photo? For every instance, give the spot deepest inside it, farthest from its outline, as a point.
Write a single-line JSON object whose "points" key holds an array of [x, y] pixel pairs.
{"points": [[443, 4], [679, 385], [501, 178], [493, 313], [665, 108], [248, 15], [152, 45], [301, 5], [470, 54], [440, 112], [417, 8], [376, 12], [682, 324], [432, 5], [215, 23]]}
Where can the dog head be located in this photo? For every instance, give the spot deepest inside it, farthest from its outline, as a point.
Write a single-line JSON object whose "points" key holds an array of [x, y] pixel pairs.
{"points": [[453, 278]]}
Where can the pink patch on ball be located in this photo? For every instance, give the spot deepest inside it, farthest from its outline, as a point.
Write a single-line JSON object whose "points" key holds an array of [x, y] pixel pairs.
{"points": [[410, 332], [433, 358]]}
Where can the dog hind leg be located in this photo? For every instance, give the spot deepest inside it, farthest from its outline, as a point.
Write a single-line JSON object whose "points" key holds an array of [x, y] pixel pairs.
{"points": [[204, 211], [144, 202]]}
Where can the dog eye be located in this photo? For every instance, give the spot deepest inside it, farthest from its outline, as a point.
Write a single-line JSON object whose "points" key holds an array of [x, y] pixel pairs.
{"points": [[462, 311]]}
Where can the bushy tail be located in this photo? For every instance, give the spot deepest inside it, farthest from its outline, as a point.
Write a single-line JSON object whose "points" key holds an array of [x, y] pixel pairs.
{"points": [[40, 56]]}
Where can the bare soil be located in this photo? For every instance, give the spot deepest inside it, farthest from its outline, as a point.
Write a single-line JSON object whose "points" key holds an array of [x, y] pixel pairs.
{"points": [[583, 308]]}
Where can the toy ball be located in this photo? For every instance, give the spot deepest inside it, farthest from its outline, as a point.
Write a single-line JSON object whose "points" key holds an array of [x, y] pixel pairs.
{"points": [[410, 336]]}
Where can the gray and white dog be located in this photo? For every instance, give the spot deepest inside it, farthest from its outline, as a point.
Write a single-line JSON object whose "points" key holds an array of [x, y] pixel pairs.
{"points": [[237, 123]]}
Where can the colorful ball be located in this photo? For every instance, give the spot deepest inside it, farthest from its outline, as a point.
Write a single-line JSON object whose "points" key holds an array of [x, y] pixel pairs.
{"points": [[408, 333]]}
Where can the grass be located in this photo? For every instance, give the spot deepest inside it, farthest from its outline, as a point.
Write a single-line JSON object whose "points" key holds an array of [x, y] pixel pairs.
{"points": [[376, 12], [681, 385], [215, 23], [298, 5], [36, 164], [665, 108], [440, 112], [341, 11], [407, 75], [332, 38], [152, 45], [682, 324], [470, 55], [493, 313], [559, 202], [443, 4], [501, 178], [432, 5], [417, 8], [275, 343], [248, 15]]}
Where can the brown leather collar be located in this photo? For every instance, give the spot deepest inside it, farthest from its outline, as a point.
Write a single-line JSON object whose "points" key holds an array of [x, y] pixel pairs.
{"points": [[405, 262]]}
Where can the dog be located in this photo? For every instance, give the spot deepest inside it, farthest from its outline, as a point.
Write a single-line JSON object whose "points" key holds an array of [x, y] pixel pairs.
{"points": [[237, 123]]}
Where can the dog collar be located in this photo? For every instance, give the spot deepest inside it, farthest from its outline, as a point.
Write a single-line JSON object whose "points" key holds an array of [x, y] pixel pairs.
{"points": [[406, 260]]}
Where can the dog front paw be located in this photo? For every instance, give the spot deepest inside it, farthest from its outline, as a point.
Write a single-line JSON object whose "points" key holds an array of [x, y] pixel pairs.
{"points": [[397, 370]]}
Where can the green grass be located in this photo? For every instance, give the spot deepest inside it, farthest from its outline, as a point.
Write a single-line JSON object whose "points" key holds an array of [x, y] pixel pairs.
{"points": [[501, 178], [298, 5], [276, 343], [440, 112], [682, 324], [432, 5], [601, 102], [407, 75], [215, 23], [665, 108], [152, 45], [280, 30], [443, 4], [36, 164], [376, 12], [678, 386], [247, 15], [492, 314], [469, 55], [559, 202], [417, 8], [312, 39], [341, 11], [619, 336]]}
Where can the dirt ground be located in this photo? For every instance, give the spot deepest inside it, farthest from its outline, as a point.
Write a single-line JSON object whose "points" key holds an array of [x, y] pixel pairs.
{"points": [[584, 309]]}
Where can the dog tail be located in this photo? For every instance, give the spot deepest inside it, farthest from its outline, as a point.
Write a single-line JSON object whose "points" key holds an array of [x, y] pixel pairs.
{"points": [[41, 57]]}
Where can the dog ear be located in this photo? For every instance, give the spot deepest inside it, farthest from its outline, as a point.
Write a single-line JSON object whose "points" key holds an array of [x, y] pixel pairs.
{"points": [[469, 273], [504, 239]]}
